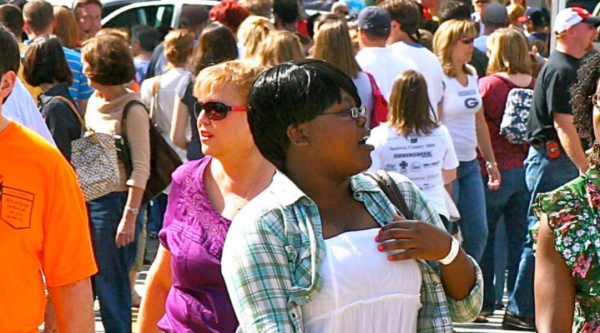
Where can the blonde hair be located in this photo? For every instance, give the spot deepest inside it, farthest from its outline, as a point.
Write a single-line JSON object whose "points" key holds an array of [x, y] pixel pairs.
{"points": [[179, 44], [508, 52], [278, 47], [514, 12], [446, 37], [410, 110], [333, 44], [240, 73], [252, 32], [67, 29]]}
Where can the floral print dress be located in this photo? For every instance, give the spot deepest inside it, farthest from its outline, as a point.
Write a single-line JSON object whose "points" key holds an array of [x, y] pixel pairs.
{"points": [[573, 212]]}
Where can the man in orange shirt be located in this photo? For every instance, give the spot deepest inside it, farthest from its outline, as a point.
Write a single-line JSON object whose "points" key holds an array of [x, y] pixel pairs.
{"points": [[43, 226]]}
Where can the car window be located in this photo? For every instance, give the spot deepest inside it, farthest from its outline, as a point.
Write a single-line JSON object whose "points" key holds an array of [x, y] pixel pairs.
{"points": [[155, 16]]}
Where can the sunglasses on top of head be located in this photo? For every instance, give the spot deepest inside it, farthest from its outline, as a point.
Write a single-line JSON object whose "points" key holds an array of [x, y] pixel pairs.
{"points": [[466, 40], [216, 110]]}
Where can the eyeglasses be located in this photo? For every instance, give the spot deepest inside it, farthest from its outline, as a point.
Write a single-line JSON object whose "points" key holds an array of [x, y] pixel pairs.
{"points": [[466, 40], [354, 112], [216, 110]]}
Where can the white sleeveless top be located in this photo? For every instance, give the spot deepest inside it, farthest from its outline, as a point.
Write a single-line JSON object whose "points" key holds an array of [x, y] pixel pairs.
{"points": [[363, 291]]}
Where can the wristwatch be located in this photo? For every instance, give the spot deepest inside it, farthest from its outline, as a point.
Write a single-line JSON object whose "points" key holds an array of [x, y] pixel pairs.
{"points": [[134, 211]]}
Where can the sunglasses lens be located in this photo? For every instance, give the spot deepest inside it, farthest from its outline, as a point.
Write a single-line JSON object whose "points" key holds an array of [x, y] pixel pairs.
{"points": [[214, 110]]}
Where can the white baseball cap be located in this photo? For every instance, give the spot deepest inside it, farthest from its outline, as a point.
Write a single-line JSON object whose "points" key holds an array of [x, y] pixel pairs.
{"points": [[569, 17]]}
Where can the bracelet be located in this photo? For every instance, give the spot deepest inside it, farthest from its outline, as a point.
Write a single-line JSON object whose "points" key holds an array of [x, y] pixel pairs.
{"points": [[489, 165], [454, 248]]}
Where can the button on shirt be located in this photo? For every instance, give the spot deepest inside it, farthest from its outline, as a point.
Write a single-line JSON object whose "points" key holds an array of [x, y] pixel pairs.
{"points": [[275, 245]]}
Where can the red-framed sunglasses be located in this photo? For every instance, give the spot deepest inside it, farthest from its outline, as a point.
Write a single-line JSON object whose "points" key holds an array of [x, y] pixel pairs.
{"points": [[216, 110]]}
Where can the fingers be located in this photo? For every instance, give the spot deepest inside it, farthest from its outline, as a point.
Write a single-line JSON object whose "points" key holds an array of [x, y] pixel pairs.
{"points": [[394, 233], [401, 223], [124, 239], [398, 244], [408, 254]]}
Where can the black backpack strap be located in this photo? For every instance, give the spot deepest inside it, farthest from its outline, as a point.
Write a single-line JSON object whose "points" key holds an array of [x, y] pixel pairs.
{"points": [[391, 190]]}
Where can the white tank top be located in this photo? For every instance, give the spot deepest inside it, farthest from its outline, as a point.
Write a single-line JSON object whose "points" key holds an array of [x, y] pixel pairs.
{"points": [[363, 291]]}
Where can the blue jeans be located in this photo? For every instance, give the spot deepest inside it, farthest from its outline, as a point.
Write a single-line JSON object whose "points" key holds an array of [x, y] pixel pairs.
{"points": [[112, 281], [542, 174], [510, 201], [467, 193], [156, 213]]}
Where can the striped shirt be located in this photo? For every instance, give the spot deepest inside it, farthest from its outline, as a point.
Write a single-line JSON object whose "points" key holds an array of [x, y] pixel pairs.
{"points": [[80, 89], [275, 245]]}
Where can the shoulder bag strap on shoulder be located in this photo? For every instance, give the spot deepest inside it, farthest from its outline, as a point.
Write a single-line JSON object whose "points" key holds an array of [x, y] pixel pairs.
{"points": [[126, 112], [154, 102], [391, 190], [73, 108]]}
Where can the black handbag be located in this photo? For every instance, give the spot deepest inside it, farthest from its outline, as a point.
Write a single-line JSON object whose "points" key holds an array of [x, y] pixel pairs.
{"points": [[163, 159]]}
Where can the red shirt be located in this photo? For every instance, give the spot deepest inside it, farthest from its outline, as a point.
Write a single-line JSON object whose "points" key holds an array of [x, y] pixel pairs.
{"points": [[494, 90]]}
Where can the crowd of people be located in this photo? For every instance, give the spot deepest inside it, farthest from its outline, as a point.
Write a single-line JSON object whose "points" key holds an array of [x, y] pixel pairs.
{"points": [[389, 166]]}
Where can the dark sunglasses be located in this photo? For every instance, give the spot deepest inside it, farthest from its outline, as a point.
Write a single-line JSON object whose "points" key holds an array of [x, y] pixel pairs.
{"points": [[216, 110], [466, 40]]}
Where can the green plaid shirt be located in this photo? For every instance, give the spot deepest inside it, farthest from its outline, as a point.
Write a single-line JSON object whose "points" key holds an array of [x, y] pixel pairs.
{"points": [[275, 245]]}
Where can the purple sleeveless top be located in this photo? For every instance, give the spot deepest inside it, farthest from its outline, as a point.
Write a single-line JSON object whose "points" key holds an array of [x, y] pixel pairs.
{"points": [[194, 233]]}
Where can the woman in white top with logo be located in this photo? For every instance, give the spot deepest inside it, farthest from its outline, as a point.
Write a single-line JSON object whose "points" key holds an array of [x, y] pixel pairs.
{"points": [[413, 143], [462, 113]]}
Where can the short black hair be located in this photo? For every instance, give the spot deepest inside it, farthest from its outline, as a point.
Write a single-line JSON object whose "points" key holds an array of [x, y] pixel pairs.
{"points": [[45, 62], [286, 10], [454, 10], [10, 58], [291, 94], [12, 18], [146, 35]]}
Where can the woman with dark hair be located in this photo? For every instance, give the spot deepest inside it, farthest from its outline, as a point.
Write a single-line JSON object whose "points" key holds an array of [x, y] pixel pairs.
{"points": [[216, 45], [185, 290], [431, 164], [116, 217], [45, 66], [567, 271], [318, 250]]}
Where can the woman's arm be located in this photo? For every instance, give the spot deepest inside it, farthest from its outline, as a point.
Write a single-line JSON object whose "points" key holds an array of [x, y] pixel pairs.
{"points": [[449, 176], [74, 307], [180, 122], [138, 137], [158, 284], [485, 147], [554, 285]]}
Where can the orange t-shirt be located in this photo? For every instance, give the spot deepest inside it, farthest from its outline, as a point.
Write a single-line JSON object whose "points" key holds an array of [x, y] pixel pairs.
{"points": [[43, 227]]}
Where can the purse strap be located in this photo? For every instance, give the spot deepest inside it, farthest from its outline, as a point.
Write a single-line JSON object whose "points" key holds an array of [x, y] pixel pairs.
{"points": [[74, 109], [126, 112], [154, 103], [391, 191]]}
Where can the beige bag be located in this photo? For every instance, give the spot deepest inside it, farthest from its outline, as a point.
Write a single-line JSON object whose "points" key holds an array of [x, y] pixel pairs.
{"points": [[94, 158]]}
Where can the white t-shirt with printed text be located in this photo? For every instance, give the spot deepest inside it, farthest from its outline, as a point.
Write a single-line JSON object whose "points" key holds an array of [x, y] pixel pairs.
{"points": [[460, 105], [420, 158]]}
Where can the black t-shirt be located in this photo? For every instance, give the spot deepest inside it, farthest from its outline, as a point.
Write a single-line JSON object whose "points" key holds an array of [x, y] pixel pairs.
{"points": [[480, 62], [551, 94], [60, 118]]}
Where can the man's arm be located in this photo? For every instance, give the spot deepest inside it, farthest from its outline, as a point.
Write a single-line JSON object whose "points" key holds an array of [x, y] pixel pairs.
{"points": [[74, 307], [569, 139]]}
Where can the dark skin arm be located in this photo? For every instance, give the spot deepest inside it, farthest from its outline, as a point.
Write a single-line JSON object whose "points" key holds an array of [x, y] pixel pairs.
{"points": [[422, 240], [554, 286]]}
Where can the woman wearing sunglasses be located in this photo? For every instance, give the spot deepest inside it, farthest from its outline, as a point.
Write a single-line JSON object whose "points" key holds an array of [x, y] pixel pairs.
{"points": [[322, 249], [462, 113], [185, 289]]}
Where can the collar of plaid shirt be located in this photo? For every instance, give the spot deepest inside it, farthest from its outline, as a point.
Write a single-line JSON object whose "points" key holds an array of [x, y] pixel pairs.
{"points": [[270, 264]]}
